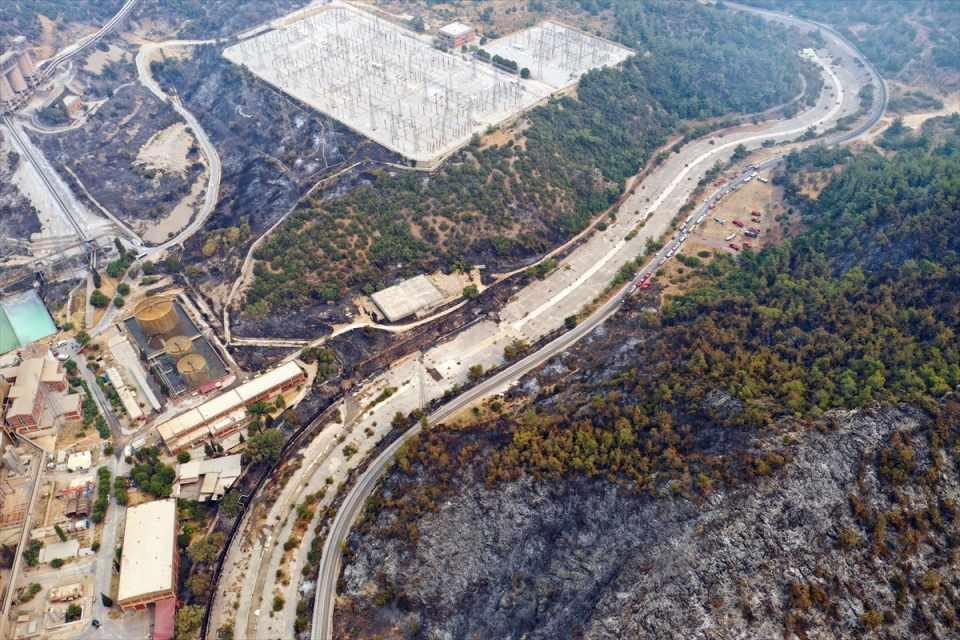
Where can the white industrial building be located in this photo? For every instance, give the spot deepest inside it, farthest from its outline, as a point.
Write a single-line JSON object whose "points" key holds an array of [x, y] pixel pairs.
{"points": [[204, 480], [148, 566], [407, 298]]}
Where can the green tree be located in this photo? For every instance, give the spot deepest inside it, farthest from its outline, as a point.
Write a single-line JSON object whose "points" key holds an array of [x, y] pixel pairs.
{"points": [[188, 621], [99, 300], [475, 373], [74, 612], [265, 447]]}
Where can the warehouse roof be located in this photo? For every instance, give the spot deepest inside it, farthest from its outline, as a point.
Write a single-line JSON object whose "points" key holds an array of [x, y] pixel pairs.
{"points": [[455, 29], [35, 369], [227, 402], [408, 297], [149, 547]]}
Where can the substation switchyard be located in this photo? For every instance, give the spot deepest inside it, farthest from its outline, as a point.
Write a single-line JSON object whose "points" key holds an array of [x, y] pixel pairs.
{"points": [[393, 87], [556, 54]]}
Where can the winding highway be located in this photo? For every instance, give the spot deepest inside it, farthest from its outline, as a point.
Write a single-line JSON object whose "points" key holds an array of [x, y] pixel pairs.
{"points": [[365, 484], [49, 66], [214, 166]]}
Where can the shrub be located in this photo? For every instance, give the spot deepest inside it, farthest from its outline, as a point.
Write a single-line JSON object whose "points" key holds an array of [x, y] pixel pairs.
{"points": [[74, 612], [99, 300]]}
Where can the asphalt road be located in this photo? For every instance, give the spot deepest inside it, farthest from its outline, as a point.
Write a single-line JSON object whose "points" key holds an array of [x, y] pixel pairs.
{"points": [[365, 485], [212, 193], [49, 66]]}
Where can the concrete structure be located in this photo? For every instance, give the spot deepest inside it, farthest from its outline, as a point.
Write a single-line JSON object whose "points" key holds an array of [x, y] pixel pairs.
{"points": [[204, 480], [407, 298], [226, 414], [156, 315], [79, 461], [66, 593], [73, 105], [60, 551], [124, 352], [23, 319], [148, 568], [34, 392], [382, 81], [456, 35], [556, 54], [127, 396], [17, 75]]}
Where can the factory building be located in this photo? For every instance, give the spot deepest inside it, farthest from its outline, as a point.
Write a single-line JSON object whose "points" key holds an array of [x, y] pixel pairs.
{"points": [[204, 480], [455, 35], [17, 75], [33, 394], [148, 567], [220, 419]]}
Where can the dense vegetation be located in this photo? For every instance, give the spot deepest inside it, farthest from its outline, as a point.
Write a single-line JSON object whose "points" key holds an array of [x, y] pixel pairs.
{"points": [[888, 31], [151, 475], [863, 307], [20, 18], [514, 200]]}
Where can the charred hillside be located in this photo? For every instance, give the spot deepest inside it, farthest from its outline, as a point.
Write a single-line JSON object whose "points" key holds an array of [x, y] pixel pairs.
{"points": [[772, 453]]}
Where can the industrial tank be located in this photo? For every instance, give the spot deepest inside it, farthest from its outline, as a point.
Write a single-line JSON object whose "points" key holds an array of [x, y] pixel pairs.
{"points": [[156, 315], [193, 368], [178, 346]]}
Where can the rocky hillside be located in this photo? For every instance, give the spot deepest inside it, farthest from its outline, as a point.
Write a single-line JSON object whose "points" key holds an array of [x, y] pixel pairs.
{"points": [[593, 559], [18, 218], [772, 454]]}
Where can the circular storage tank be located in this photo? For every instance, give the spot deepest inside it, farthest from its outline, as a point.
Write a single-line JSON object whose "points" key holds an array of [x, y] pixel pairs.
{"points": [[156, 315], [178, 346], [193, 368]]}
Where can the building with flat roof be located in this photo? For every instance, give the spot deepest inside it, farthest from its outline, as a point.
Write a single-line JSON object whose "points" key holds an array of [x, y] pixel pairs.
{"points": [[127, 397], [148, 568], [225, 414], [455, 35], [204, 480], [35, 392], [407, 298]]}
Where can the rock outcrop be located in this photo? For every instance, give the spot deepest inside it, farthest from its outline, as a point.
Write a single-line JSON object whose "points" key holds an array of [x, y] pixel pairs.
{"points": [[589, 558]]}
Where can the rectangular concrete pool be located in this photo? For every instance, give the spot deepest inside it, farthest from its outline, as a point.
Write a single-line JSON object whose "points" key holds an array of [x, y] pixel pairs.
{"points": [[23, 319]]}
